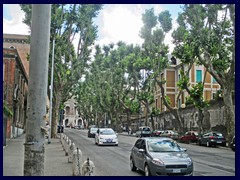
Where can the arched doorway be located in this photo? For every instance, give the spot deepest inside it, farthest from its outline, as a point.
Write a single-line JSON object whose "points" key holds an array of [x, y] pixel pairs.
{"points": [[66, 122], [80, 123]]}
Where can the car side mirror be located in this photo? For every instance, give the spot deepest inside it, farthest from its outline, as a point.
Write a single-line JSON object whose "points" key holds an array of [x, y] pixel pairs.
{"points": [[183, 149]]}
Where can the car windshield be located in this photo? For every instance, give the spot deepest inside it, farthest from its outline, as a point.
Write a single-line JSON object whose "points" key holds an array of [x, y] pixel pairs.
{"points": [[107, 132], [163, 146], [93, 129], [217, 134], [146, 129]]}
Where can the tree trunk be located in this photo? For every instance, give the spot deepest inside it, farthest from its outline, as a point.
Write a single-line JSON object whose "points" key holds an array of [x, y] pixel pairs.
{"points": [[56, 118], [178, 119], [39, 53], [152, 122], [230, 113], [128, 118], [200, 120], [146, 116]]}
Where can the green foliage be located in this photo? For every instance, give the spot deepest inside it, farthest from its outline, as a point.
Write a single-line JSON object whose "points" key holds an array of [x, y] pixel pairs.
{"points": [[6, 110], [189, 101], [168, 99], [183, 82], [196, 93], [155, 111], [165, 21]]}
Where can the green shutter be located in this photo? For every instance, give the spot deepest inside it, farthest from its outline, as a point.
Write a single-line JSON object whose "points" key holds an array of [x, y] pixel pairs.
{"points": [[199, 76]]}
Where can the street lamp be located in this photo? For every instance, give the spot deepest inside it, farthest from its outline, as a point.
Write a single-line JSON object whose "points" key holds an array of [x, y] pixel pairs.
{"points": [[51, 91]]}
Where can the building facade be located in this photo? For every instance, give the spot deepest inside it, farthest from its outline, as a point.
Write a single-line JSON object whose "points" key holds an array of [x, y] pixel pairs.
{"points": [[172, 76], [71, 116], [15, 81]]}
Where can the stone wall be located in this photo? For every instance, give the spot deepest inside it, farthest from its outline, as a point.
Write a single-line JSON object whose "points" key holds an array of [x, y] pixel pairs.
{"points": [[214, 118]]}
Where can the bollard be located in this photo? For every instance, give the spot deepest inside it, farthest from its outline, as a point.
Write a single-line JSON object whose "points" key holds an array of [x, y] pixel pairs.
{"points": [[63, 142], [88, 168], [76, 166], [70, 153], [62, 139], [66, 146]]}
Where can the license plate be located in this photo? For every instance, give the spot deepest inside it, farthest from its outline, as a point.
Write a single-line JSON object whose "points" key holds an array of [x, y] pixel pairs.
{"points": [[219, 141], [109, 140], [176, 170]]}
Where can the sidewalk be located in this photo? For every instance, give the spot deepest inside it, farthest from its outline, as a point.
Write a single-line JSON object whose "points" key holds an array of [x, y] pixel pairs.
{"points": [[56, 163]]}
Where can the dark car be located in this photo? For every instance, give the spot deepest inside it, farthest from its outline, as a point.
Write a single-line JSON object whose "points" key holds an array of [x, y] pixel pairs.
{"points": [[143, 131], [160, 156], [232, 144], [92, 131], [189, 137], [212, 139]]}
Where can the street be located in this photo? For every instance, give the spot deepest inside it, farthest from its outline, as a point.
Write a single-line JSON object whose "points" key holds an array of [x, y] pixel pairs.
{"points": [[114, 160]]}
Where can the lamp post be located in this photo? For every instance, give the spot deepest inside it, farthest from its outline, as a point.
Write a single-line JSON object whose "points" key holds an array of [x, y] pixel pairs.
{"points": [[51, 91]]}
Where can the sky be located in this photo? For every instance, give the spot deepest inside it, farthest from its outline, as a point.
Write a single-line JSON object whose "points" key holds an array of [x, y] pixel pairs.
{"points": [[115, 21]]}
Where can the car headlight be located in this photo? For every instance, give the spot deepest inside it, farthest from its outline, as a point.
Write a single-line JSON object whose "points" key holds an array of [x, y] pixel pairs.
{"points": [[158, 162], [101, 138], [189, 160]]}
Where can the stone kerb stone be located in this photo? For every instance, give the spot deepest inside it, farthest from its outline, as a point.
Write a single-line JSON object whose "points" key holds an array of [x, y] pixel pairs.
{"points": [[76, 166], [65, 146], [70, 153]]}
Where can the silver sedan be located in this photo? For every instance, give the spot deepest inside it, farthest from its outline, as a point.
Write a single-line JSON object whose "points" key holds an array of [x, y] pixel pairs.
{"points": [[160, 156]]}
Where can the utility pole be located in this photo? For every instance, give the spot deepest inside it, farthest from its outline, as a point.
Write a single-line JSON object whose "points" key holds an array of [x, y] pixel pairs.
{"points": [[34, 149], [51, 91]]}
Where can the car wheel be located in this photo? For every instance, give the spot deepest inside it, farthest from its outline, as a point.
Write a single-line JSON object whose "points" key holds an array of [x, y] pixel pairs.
{"points": [[199, 143], [147, 170], [132, 165]]}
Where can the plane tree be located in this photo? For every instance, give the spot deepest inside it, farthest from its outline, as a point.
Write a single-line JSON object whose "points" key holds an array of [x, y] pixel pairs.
{"points": [[68, 22], [155, 56], [209, 32]]}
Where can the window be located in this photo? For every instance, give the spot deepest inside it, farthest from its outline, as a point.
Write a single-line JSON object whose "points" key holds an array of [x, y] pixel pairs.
{"points": [[199, 76], [214, 80], [138, 144]]}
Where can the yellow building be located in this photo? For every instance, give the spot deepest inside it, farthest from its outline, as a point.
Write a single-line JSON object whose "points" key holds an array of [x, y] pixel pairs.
{"points": [[172, 76]]}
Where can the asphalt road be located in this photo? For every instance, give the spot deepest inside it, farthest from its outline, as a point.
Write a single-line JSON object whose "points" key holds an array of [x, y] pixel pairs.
{"points": [[114, 160]]}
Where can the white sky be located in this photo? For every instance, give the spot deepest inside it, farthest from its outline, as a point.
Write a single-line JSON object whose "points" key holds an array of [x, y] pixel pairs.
{"points": [[115, 22]]}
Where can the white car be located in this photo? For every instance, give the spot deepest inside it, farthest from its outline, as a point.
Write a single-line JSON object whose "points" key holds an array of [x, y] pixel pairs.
{"points": [[106, 136]]}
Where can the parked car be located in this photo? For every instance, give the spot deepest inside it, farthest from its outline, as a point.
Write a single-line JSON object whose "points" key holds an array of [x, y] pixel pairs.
{"points": [[92, 132], [76, 127], [106, 136], [160, 156], [170, 134], [212, 139], [189, 137], [232, 144], [157, 133], [143, 131]]}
